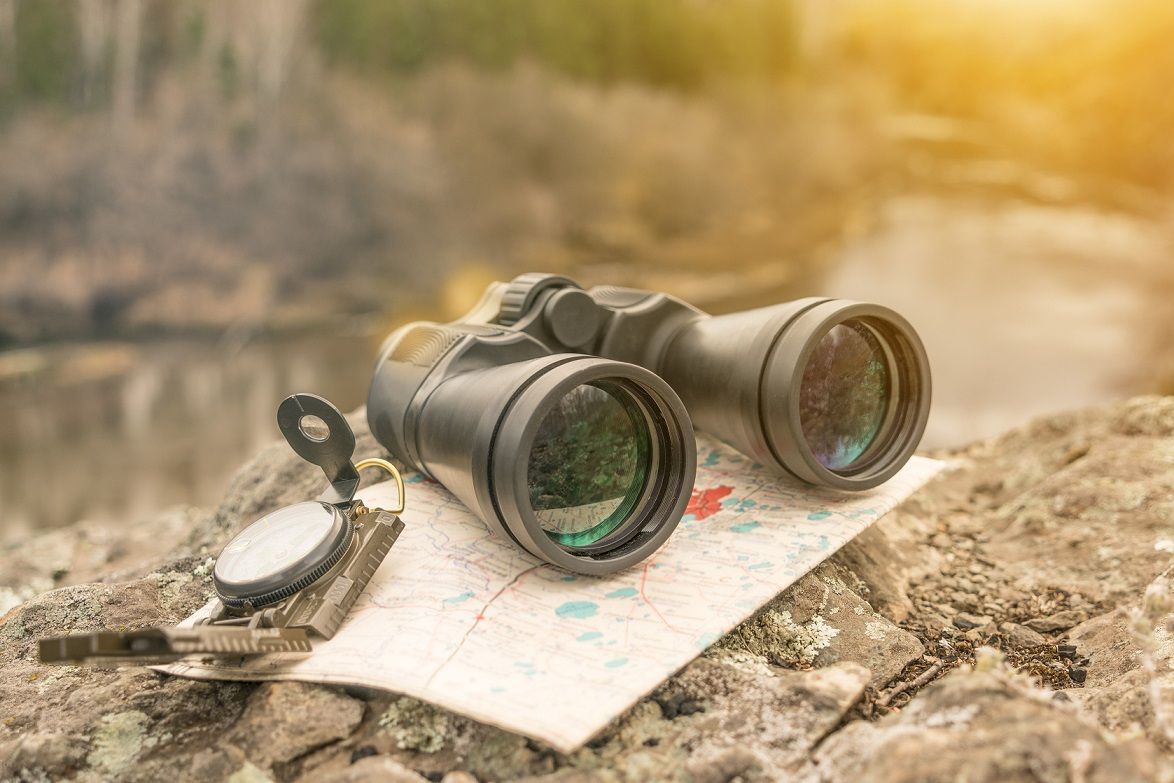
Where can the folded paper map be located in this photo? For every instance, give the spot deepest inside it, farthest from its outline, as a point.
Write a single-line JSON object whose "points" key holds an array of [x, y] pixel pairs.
{"points": [[468, 621]]}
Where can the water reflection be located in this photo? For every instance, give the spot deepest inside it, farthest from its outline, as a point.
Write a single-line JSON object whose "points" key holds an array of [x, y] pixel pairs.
{"points": [[117, 431], [1024, 309]]}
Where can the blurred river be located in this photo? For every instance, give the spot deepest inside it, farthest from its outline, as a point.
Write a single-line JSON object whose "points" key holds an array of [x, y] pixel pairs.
{"points": [[116, 431], [1025, 309]]}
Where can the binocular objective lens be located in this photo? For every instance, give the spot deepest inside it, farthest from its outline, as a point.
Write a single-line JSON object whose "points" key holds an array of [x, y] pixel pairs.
{"points": [[589, 464], [845, 394]]}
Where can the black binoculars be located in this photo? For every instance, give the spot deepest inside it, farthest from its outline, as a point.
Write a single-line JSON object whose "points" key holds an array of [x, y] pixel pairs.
{"points": [[564, 417]]}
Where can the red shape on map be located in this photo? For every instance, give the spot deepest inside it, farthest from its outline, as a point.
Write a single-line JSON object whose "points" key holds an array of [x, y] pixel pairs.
{"points": [[706, 502]]}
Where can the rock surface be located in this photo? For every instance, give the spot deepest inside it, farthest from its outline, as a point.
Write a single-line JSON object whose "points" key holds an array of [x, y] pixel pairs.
{"points": [[988, 724], [1012, 621]]}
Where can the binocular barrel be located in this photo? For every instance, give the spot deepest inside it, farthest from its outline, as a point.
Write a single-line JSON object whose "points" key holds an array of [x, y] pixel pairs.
{"points": [[584, 462], [833, 392]]}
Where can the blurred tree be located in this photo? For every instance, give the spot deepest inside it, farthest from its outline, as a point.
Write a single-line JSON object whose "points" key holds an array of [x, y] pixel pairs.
{"points": [[128, 16], [676, 43], [44, 44], [94, 33]]}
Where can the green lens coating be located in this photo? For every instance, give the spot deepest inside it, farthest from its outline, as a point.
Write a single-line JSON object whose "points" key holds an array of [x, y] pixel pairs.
{"points": [[588, 464], [844, 395]]}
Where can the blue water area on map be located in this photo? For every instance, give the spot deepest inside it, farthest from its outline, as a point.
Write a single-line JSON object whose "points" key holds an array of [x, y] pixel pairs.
{"points": [[616, 663], [456, 599], [623, 592], [579, 610], [744, 527], [818, 515], [586, 637]]}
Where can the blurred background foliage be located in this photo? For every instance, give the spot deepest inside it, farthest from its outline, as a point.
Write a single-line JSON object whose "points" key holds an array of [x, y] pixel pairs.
{"points": [[653, 42], [207, 205]]}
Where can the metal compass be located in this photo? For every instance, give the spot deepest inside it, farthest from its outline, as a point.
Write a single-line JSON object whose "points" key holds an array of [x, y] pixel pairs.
{"points": [[294, 572]]}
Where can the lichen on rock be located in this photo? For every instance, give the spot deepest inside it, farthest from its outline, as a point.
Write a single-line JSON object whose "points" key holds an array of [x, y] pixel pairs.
{"points": [[776, 636], [118, 741], [822, 620], [415, 725]]}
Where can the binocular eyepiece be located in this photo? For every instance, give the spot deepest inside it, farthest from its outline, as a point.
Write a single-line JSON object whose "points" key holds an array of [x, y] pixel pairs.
{"points": [[564, 417]]}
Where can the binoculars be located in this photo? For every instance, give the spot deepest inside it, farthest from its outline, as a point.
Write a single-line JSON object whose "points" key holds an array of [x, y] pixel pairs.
{"points": [[564, 417]]}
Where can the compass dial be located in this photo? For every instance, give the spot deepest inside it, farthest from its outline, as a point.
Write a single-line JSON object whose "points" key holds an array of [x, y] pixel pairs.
{"points": [[281, 553]]}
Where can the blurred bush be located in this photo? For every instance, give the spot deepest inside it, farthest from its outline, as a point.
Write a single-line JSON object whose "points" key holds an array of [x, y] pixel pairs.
{"points": [[191, 165]]}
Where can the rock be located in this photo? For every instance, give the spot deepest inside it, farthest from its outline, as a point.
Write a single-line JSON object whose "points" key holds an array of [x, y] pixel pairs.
{"points": [[415, 725], [755, 721], [249, 773], [1087, 518], [820, 621], [118, 741], [1062, 519], [981, 727], [572, 775], [285, 720], [1118, 646], [965, 603], [374, 769], [1016, 635], [51, 754], [92, 551], [878, 563], [1108, 641], [1060, 621], [966, 621]]}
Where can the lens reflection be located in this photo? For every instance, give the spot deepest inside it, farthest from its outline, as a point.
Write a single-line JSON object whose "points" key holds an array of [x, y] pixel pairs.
{"points": [[845, 394], [588, 464]]}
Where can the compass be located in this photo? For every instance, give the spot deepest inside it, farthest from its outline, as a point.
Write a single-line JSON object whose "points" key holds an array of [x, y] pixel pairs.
{"points": [[282, 553], [293, 573]]}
